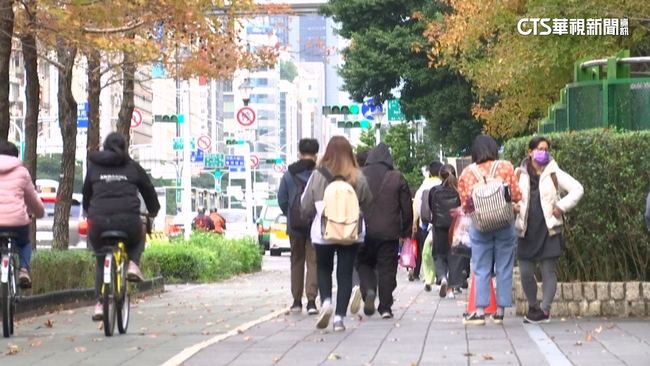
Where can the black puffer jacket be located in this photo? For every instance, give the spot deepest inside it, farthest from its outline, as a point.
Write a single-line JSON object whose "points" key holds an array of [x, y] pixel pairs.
{"points": [[112, 185], [392, 214]]}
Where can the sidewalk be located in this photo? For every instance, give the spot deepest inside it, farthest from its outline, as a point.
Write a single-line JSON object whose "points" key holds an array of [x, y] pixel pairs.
{"points": [[427, 330], [160, 327]]}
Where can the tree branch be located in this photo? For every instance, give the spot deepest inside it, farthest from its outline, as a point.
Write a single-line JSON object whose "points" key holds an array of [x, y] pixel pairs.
{"points": [[123, 29], [57, 64]]}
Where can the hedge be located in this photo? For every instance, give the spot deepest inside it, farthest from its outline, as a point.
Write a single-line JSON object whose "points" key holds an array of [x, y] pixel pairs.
{"points": [[605, 236], [205, 258]]}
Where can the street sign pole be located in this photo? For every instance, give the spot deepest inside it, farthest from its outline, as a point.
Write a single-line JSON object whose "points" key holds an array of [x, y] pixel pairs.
{"points": [[187, 165], [249, 188]]}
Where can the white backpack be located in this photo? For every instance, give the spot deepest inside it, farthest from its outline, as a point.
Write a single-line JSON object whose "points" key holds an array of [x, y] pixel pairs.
{"points": [[341, 220], [491, 209]]}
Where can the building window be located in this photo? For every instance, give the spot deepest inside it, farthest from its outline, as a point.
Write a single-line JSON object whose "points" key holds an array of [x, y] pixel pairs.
{"points": [[227, 86], [260, 98], [260, 82]]}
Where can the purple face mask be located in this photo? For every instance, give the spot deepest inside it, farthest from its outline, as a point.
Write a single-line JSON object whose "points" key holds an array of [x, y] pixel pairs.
{"points": [[541, 157]]}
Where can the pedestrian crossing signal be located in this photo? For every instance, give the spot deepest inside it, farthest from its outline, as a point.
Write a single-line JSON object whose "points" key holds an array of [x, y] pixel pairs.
{"points": [[169, 118], [343, 109], [353, 124], [276, 161], [234, 142]]}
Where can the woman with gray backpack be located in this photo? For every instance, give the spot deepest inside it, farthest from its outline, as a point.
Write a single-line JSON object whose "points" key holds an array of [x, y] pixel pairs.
{"points": [[488, 192], [334, 197]]}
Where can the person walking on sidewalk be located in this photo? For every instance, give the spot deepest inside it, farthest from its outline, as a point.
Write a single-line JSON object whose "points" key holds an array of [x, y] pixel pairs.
{"points": [[389, 220], [337, 189], [355, 302], [539, 223], [420, 228], [443, 198], [290, 192], [490, 248]]}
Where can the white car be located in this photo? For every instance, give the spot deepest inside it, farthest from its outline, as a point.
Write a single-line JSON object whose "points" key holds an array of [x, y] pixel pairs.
{"points": [[279, 240], [236, 223]]}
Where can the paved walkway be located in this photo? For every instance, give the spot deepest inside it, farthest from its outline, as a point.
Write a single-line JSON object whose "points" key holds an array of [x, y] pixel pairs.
{"points": [[427, 330], [161, 326]]}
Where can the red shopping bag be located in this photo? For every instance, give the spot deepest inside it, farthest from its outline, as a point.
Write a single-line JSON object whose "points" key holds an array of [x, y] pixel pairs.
{"points": [[409, 253]]}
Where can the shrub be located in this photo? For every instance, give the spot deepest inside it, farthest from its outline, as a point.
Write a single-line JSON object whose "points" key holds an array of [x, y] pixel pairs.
{"points": [[204, 258], [605, 236]]}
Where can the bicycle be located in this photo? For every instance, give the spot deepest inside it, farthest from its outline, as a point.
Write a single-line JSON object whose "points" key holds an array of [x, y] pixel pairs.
{"points": [[115, 290], [8, 282]]}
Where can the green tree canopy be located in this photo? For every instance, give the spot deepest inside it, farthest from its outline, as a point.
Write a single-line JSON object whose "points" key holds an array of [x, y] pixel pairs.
{"points": [[288, 70]]}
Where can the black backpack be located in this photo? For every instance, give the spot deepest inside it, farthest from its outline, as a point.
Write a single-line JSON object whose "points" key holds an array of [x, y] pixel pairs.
{"points": [[442, 200], [296, 221]]}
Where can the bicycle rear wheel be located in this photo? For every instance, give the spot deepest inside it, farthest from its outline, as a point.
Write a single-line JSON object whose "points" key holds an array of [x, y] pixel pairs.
{"points": [[7, 306], [109, 305], [14, 293], [124, 301]]}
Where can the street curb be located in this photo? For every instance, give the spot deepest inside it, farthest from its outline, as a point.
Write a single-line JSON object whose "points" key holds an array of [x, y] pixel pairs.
{"points": [[71, 299], [188, 352]]}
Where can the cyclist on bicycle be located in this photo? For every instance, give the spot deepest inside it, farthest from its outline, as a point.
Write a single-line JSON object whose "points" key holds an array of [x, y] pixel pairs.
{"points": [[17, 195], [219, 221], [111, 202]]}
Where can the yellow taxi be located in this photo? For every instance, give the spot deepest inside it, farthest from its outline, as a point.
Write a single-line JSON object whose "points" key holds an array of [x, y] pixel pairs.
{"points": [[278, 238]]}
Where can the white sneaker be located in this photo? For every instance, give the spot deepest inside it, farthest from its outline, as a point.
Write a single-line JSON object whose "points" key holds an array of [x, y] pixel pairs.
{"points": [[355, 303], [450, 295], [326, 312], [443, 288]]}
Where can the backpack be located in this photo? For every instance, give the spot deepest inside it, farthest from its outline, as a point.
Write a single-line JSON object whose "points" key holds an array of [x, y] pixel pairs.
{"points": [[297, 221], [491, 209], [341, 219], [200, 223], [442, 200], [426, 215]]}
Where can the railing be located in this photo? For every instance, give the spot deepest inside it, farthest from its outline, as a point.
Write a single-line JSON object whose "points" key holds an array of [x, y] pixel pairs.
{"points": [[596, 100]]}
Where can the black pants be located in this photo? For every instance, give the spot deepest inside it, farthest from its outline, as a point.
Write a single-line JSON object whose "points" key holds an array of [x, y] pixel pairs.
{"points": [[420, 236], [131, 225], [447, 265], [344, 268], [379, 255]]}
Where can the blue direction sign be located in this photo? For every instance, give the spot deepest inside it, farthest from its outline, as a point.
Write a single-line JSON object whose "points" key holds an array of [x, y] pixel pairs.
{"points": [[368, 107], [237, 169], [235, 161], [82, 115], [197, 156]]}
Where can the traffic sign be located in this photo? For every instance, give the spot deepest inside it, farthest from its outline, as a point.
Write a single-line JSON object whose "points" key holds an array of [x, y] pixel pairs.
{"points": [[246, 116], [204, 142], [136, 118], [368, 107], [237, 169], [394, 111], [235, 161], [82, 115], [197, 156], [278, 168], [255, 161], [214, 160], [178, 143]]}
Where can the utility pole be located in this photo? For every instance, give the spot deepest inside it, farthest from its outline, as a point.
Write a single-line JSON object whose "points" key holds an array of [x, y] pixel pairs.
{"points": [[186, 179]]}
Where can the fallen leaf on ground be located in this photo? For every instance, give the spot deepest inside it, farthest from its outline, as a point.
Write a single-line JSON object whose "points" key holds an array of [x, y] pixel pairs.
{"points": [[333, 356], [487, 357], [68, 321], [143, 329], [71, 338], [393, 340], [35, 344], [100, 326], [599, 329], [13, 349], [206, 333], [239, 331], [208, 324], [248, 338], [49, 323], [98, 339], [80, 349], [469, 354], [154, 335], [578, 343], [589, 338], [133, 349]]}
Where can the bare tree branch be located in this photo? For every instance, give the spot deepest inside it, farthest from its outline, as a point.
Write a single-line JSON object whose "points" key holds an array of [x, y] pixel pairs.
{"points": [[123, 29], [57, 64]]}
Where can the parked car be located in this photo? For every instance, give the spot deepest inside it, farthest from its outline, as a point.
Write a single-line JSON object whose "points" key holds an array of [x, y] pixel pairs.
{"points": [[236, 223], [269, 213], [78, 225], [278, 238]]}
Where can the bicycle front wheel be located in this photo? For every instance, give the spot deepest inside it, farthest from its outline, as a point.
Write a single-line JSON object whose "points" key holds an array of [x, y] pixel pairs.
{"points": [[109, 305], [124, 301]]}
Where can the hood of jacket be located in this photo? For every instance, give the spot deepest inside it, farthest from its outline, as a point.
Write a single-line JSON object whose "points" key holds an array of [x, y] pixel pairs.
{"points": [[9, 163], [302, 169], [380, 154], [107, 158]]}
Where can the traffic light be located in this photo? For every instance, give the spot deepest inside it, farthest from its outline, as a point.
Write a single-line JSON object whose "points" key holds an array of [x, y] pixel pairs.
{"points": [[217, 174], [343, 109], [277, 161], [169, 118], [353, 124], [234, 142]]}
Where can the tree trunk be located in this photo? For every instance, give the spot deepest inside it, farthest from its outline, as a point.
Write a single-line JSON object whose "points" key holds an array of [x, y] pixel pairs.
{"points": [[6, 33], [66, 55], [128, 97], [94, 91], [32, 96]]}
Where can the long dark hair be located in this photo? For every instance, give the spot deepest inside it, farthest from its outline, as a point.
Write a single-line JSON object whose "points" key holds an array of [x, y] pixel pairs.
{"points": [[448, 176], [528, 162], [484, 148]]}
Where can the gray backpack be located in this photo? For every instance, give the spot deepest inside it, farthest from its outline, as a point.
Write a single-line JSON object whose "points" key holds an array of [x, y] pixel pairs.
{"points": [[491, 209], [426, 215]]}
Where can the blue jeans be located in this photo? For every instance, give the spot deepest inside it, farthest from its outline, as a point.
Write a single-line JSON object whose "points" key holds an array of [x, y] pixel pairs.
{"points": [[498, 248], [23, 245]]}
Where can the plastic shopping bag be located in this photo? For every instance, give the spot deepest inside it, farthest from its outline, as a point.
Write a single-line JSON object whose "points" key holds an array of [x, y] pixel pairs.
{"points": [[459, 233], [409, 253], [427, 260]]}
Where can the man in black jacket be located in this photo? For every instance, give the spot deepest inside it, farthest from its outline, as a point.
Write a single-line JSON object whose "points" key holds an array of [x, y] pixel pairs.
{"points": [[389, 220], [302, 250], [111, 202]]}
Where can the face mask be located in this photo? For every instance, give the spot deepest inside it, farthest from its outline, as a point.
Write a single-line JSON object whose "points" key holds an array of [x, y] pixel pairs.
{"points": [[541, 157]]}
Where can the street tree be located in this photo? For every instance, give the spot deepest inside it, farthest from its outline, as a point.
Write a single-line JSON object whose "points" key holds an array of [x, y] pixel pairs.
{"points": [[518, 77], [6, 47], [288, 70]]}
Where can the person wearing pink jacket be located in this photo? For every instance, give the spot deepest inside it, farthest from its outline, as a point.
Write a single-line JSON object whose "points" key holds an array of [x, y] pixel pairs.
{"points": [[18, 196]]}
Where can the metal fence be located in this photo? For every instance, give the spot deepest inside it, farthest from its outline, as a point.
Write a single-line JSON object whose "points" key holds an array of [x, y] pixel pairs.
{"points": [[594, 100]]}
